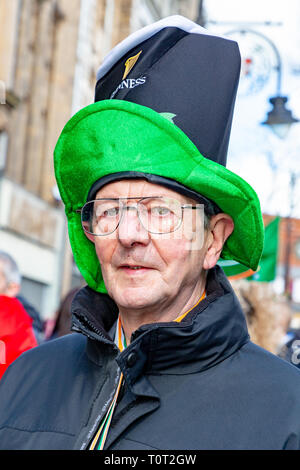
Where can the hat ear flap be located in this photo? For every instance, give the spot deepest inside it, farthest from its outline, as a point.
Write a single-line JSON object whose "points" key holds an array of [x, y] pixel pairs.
{"points": [[84, 254]]}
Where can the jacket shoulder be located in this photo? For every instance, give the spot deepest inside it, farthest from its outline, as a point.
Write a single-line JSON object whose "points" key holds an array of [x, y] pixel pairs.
{"points": [[271, 361], [265, 371], [39, 365], [46, 374], [56, 351]]}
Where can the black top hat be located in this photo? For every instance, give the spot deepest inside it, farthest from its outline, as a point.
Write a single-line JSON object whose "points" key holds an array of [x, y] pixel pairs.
{"points": [[178, 68]]}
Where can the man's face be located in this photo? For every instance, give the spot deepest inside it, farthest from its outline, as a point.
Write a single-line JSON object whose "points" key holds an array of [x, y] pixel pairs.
{"points": [[10, 289], [142, 270]]}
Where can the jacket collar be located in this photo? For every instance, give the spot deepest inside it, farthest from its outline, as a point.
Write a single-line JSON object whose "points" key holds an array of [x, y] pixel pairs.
{"points": [[211, 332]]}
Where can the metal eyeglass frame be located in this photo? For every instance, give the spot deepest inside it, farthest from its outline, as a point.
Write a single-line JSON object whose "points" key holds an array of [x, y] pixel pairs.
{"points": [[184, 206]]}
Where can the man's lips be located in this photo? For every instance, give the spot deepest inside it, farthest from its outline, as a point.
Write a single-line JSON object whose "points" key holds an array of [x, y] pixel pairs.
{"points": [[134, 268]]}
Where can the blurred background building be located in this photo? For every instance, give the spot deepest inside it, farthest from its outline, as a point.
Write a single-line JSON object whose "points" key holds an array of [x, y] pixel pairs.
{"points": [[50, 51]]}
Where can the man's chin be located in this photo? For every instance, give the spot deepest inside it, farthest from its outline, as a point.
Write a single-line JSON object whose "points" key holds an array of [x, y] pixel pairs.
{"points": [[135, 299]]}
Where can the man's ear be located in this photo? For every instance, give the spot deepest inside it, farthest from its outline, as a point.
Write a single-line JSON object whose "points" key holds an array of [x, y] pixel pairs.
{"points": [[221, 227]]}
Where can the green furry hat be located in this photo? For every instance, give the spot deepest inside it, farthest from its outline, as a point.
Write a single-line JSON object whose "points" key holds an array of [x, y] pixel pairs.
{"points": [[164, 100]]}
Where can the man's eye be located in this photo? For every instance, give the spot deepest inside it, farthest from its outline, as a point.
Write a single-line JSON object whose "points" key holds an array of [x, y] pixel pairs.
{"points": [[112, 212], [160, 211]]}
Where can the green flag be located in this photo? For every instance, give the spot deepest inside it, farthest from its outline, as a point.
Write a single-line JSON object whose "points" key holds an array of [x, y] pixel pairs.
{"points": [[267, 266], [234, 270]]}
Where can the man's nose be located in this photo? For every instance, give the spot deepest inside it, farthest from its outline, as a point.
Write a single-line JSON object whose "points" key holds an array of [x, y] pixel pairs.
{"points": [[130, 229]]}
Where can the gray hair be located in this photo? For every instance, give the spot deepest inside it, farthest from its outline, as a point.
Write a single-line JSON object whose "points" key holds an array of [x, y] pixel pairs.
{"points": [[206, 220], [10, 268]]}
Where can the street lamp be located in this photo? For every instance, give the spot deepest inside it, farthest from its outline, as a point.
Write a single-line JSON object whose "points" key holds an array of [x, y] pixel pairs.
{"points": [[279, 118]]}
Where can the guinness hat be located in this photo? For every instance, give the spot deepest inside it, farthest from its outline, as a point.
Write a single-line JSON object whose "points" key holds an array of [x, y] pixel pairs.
{"points": [[180, 70], [163, 106]]}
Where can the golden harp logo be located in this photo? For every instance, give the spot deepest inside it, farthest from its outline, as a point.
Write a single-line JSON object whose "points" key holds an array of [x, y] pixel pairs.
{"points": [[130, 63]]}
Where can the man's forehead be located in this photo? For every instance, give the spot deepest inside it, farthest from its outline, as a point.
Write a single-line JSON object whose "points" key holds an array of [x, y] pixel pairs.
{"points": [[138, 188]]}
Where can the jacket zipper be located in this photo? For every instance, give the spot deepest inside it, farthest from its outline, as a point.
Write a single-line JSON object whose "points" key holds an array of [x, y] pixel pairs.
{"points": [[84, 325], [79, 325]]}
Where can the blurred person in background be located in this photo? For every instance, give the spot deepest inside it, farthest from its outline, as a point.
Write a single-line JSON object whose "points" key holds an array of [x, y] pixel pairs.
{"points": [[13, 288], [269, 318], [16, 332], [264, 312], [289, 347], [60, 325], [37, 323]]}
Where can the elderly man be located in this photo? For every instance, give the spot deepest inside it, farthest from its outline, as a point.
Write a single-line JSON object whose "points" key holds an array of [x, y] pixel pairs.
{"points": [[16, 332], [10, 286], [163, 358], [10, 278]]}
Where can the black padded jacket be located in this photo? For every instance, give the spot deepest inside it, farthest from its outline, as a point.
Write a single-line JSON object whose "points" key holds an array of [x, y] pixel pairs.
{"points": [[198, 384]]}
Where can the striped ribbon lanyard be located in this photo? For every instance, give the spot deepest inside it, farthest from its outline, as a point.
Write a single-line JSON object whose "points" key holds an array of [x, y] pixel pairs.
{"points": [[101, 435], [120, 340]]}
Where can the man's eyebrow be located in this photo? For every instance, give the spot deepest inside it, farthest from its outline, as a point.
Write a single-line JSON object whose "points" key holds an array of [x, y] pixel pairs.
{"points": [[123, 197]]}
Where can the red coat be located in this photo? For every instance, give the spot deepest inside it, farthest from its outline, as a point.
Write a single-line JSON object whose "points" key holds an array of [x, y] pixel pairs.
{"points": [[16, 333]]}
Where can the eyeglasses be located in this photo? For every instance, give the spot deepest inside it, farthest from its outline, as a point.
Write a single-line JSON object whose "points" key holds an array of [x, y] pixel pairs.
{"points": [[158, 215]]}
